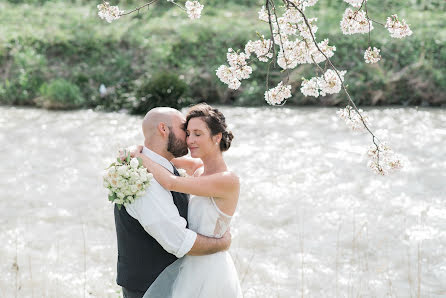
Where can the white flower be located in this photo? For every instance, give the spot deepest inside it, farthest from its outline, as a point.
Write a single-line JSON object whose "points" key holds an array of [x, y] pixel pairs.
{"points": [[355, 22], [355, 3], [126, 181], [352, 118], [182, 172], [286, 59], [238, 64], [305, 31], [263, 15], [193, 9], [326, 49], [292, 15], [109, 13], [304, 3], [310, 87], [383, 160], [276, 95], [285, 27], [134, 163], [133, 188], [397, 28], [228, 76], [330, 83], [122, 170], [262, 48], [372, 56]]}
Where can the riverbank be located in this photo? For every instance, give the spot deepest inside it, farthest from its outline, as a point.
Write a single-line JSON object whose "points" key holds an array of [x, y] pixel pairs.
{"points": [[58, 54]]}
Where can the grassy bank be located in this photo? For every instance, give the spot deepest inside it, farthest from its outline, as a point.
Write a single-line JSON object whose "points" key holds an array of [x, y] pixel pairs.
{"points": [[58, 54]]}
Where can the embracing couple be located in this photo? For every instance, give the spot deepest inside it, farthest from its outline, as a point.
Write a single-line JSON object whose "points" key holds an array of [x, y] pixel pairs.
{"points": [[170, 245]]}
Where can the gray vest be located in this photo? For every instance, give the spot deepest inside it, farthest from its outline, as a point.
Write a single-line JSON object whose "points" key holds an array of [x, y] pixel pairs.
{"points": [[140, 257]]}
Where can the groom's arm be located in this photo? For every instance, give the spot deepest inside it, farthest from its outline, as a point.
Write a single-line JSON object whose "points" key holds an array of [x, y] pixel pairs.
{"points": [[206, 245], [159, 217]]}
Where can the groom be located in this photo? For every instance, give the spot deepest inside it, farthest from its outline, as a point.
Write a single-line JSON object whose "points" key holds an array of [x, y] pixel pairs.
{"points": [[152, 231]]}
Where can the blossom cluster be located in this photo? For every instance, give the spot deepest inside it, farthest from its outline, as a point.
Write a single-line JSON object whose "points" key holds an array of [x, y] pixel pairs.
{"points": [[397, 28], [278, 94], [355, 22], [237, 70], [193, 9], [109, 13], [262, 49], [295, 41], [126, 180], [383, 160], [328, 83], [372, 56], [352, 118]]}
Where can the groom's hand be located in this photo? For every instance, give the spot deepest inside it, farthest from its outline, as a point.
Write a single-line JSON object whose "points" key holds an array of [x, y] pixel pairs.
{"points": [[226, 239]]}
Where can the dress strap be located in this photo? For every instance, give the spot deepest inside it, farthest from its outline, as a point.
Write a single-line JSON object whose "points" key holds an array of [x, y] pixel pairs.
{"points": [[218, 209]]}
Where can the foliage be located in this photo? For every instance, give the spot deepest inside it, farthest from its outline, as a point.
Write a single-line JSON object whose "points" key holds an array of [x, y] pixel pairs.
{"points": [[164, 89], [67, 40], [60, 94]]}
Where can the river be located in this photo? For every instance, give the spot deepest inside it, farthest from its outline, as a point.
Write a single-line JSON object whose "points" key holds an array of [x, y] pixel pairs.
{"points": [[312, 220]]}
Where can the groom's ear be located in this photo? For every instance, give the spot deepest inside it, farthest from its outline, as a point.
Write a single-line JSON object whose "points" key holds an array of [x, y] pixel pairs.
{"points": [[163, 129]]}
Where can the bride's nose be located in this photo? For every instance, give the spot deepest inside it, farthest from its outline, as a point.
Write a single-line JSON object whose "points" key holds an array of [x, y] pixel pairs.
{"points": [[189, 140]]}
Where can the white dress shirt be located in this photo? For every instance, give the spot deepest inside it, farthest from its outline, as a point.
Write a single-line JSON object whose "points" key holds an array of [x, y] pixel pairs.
{"points": [[158, 215]]}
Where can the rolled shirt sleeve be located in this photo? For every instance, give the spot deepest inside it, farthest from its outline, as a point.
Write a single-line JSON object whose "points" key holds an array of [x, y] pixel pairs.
{"points": [[158, 215]]}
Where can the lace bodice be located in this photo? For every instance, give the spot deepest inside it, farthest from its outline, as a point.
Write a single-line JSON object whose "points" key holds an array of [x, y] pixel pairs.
{"points": [[205, 218]]}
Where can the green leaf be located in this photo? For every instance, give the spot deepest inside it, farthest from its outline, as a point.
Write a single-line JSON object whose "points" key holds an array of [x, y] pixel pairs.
{"points": [[128, 157], [119, 206], [112, 165], [111, 198], [118, 159], [140, 161]]}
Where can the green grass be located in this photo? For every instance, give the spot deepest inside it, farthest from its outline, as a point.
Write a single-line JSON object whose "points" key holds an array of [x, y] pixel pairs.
{"points": [[39, 43]]}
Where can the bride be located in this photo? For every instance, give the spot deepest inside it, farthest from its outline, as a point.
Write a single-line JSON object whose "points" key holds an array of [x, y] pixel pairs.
{"points": [[215, 191]]}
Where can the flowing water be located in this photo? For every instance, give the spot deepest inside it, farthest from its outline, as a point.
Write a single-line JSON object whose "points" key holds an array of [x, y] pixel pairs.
{"points": [[312, 221]]}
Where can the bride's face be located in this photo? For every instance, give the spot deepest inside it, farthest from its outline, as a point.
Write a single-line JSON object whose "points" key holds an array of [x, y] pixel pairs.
{"points": [[199, 139]]}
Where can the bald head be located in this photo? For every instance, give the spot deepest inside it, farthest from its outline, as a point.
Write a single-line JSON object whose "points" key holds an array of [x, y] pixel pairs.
{"points": [[163, 130], [156, 116]]}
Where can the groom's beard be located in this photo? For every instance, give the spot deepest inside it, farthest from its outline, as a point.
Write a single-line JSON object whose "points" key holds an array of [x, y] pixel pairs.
{"points": [[176, 146]]}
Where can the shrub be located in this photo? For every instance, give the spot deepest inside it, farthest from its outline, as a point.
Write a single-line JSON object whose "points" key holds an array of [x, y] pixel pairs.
{"points": [[60, 94], [164, 89], [26, 74]]}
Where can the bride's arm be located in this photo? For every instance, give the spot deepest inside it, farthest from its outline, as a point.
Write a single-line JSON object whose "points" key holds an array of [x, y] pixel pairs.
{"points": [[187, 163], [222, 185]]}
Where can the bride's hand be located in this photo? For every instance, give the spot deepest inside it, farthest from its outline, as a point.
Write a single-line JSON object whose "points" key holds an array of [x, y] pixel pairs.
{"points": [[133, 150], [137, 152]]}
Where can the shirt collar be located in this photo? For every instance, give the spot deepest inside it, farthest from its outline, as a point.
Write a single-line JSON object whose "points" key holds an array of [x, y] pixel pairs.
{"points": [[157, 158]]}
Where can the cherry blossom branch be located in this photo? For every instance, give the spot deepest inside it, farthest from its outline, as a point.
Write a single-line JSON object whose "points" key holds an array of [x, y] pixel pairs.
{"points": [[111, 13], [139, 8], [340, 78]]}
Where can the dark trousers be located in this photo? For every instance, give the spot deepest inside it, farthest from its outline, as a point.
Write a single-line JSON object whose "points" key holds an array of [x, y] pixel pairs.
{"points": [[132, 293]]}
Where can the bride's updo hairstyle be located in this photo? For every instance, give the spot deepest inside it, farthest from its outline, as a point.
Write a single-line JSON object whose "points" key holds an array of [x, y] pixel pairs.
{"points": [[214, 120]]}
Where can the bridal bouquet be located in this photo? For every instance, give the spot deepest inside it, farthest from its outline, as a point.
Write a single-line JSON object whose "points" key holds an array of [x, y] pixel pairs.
{"points": [[126, 180]]}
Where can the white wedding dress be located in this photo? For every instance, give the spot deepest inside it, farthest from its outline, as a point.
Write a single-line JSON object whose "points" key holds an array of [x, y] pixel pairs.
{"points": [[209, 276]]}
